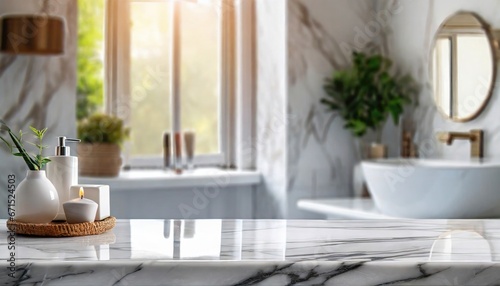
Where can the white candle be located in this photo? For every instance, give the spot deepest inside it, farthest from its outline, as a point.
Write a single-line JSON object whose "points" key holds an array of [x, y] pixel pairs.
{"points": [[80, 210], [97, 193]]}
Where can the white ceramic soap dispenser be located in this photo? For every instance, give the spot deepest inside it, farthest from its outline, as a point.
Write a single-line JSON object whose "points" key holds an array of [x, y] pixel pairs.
{"points": [[62, 171]]}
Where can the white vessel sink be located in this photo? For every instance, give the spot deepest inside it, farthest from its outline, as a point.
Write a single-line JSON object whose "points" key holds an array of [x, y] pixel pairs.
{"points": [[420, 188]]}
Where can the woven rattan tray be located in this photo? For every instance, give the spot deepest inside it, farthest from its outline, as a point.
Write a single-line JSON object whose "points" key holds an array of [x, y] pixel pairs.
{"points": [[60, 229]]}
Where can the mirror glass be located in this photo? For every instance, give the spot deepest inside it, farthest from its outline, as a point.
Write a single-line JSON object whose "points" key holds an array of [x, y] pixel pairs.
{"points": [[463, 66]]}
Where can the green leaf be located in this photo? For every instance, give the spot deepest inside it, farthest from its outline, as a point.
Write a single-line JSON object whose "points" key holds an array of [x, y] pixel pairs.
{"points": [[32, 164], [42, 132], [34, 130], [374, 63], [41, 146]]}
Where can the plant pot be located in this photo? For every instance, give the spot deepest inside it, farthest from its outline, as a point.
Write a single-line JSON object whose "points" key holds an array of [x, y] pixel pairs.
{"points": [[99, 160], [370, 149], [378, 151], [36, 199]]}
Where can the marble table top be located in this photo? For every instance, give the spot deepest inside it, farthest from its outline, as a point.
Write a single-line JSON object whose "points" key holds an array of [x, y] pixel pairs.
{"points": [[343, 208], [261, 252]]}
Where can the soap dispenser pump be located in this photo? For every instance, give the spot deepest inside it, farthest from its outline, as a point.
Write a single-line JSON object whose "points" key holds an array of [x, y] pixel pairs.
{"points": [[62, 171]]}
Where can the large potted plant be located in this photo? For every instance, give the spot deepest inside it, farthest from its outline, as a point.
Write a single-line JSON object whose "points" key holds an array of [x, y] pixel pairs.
{"points": [[102, 136], [365, 95]]}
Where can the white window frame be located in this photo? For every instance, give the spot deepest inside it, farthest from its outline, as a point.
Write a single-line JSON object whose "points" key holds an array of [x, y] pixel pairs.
{"points": [[245, 143], [117, 86]]}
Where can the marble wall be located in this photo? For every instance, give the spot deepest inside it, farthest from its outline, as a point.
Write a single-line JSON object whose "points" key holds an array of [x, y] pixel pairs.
{"points": [[321, 153], [409, 37], [37, 90], [271, 113]]}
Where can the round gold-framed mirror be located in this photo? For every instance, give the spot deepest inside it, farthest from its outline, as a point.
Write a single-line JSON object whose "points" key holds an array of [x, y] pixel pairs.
{"points": [[463, 66]]}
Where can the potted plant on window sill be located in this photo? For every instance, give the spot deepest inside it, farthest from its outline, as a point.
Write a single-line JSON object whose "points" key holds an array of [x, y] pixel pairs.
{"points": [[365, 95], [35, 200], [99, 154]]}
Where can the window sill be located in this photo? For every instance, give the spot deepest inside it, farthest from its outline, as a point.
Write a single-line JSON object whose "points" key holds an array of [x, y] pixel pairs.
{"points": [[135, 180]]}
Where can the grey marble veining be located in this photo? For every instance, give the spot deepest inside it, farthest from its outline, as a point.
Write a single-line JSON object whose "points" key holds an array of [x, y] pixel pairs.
{"points": [[322, 35], [321, 154], [263, 252]]}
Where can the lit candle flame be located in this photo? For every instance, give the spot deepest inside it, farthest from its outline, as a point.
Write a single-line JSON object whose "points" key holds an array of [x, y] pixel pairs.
{"points": [[81, 192]]}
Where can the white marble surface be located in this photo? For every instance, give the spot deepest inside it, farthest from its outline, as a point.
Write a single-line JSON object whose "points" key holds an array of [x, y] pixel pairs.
{"points": [[263, 252], [345, 208]]}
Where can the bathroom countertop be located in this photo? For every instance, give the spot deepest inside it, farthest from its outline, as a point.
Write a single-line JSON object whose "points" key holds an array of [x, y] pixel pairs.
{"points": [[263, 252], [346, 208]]}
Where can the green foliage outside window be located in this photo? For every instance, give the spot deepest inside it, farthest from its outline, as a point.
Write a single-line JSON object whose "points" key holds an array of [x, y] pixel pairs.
{"points": [[150, 72], [90, 75]]}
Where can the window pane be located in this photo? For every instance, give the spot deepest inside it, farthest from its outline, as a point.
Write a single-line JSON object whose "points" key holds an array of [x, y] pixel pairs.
{"points": [[200, 73], [150, 76]]}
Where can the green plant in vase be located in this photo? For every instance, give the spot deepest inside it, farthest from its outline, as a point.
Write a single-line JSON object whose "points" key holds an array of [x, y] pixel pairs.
{"points": [[35, 198], [35, 162], [367, 93]]}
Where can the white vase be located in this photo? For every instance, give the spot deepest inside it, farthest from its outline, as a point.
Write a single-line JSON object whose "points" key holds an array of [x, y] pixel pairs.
{"points": [[36, 199]]}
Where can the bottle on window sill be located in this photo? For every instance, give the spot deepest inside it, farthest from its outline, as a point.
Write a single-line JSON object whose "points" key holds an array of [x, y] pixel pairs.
{"points": [[189, 141], [178, 153], [167, 151]]}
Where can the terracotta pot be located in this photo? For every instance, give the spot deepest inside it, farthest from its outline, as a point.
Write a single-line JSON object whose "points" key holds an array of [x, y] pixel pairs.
{"points": [[99, 160]]}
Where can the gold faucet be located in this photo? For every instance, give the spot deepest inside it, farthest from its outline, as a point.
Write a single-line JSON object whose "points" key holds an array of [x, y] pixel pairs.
{"points": [[475, 137]]}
